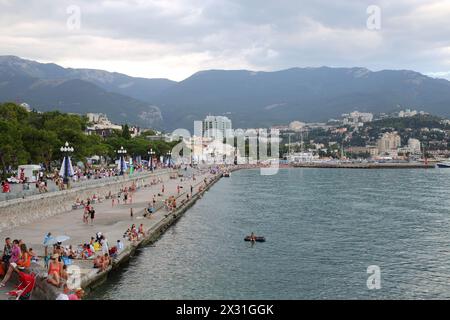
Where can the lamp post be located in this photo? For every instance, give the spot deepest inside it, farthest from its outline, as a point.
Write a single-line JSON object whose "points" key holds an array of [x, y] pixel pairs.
{"points": [[169, 155], [66, 151], [121, 152], [151, 153]]}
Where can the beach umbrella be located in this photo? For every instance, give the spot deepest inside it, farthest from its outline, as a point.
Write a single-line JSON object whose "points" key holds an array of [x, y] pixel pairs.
{"points": [[54, 240], [47, 239]]}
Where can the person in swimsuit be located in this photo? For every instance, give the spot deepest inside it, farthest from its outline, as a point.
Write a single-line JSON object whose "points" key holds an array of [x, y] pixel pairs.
{"points": [[24, 262], [54, 271]]}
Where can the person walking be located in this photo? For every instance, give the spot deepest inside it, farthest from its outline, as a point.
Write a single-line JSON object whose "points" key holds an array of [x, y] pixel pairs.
{"points": [[92, 213], [105, 245], [86, 213]]}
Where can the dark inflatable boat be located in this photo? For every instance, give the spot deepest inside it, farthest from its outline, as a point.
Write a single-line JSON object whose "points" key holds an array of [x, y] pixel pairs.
{"points": [[257, 239]]}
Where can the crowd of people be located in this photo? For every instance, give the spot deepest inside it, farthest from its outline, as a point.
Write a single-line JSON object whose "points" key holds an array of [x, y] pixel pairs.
{"points": [[16, 258], [134, 234]]}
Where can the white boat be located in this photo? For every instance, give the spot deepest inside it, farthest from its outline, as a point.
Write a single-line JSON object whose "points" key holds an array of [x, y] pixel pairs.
{"points": [[445, 164]]}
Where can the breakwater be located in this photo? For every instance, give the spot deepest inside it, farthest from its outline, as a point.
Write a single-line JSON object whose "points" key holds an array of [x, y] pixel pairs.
{"points": [[326, 165], [91, 278], [94, 279]]}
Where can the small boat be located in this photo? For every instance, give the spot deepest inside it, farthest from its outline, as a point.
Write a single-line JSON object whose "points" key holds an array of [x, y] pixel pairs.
{"points": [[226, 174], [257, 239], [443, 164]]}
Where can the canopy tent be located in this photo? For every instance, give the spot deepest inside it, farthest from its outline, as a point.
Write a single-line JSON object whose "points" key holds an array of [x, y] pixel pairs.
{"points": [[29, 171]]}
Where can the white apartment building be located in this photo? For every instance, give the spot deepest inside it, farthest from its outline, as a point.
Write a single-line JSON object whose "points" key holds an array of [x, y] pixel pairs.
{"points": [[216, 127], [414, 146], [357, 118], [100, 125], [389, 142]]}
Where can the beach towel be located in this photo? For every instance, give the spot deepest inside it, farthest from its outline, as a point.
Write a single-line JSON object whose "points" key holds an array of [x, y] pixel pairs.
{"points": [[67, 261]]}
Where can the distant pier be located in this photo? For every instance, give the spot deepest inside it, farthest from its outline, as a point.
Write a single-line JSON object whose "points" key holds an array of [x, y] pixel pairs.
{"points": [[325, 165]]}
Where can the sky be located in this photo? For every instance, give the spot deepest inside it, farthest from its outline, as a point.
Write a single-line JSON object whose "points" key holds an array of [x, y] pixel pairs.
{"points": [[176, 38]]}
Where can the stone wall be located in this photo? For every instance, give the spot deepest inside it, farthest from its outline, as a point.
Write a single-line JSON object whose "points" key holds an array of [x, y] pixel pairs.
{"points": [[17, 212]]}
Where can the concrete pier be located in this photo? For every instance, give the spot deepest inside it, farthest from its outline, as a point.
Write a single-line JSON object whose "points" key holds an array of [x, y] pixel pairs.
{"points": [[387, 165], [112, 221]]}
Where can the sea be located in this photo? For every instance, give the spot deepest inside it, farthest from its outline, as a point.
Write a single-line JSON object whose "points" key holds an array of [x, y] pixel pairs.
{"points": [[330, 234]]}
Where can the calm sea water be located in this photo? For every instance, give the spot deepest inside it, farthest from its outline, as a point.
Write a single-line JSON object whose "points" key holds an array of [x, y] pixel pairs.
{"points": [[324, 227]]}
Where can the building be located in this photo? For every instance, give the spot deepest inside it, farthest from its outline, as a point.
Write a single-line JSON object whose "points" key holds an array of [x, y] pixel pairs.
{"points": [[296, 125], [302, 157], [99, 124], [356, 118], [281, 128], [217, 127], [26, 106], [135, 131], [414, 146], [373, 151], [339, 130], [407, 113], [389, 142]]}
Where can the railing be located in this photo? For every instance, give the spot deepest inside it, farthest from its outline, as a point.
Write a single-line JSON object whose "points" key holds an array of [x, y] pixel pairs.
{"points": [[17, 191]]}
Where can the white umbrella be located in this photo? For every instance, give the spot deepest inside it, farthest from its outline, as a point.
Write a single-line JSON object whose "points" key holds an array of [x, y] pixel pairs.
{"points": [[54, 240]]}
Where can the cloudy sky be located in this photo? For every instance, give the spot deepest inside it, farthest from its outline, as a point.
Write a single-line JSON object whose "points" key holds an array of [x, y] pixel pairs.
{"points": [[176, 38]]}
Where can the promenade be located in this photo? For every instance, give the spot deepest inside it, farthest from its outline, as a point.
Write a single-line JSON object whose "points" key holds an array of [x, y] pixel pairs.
{"points": [[112, 221]]}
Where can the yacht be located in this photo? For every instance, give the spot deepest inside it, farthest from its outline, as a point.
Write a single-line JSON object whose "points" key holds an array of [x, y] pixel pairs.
{"points": [[445, 164]]}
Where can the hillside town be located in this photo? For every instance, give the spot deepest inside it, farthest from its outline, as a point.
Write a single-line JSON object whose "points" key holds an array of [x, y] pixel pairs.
{"points": [[404, 135]]}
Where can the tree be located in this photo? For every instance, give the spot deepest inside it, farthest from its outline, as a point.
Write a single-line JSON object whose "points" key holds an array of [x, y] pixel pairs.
{"points": [[40, 144], [33, 137], [12, 152], [126, 132]]}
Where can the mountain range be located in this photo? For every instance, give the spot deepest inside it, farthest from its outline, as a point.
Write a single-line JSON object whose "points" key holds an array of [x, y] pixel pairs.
{"points": [[248, 98]]}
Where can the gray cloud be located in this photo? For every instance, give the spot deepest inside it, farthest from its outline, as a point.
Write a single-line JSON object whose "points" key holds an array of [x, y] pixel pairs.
{"points": [[175, 38]]}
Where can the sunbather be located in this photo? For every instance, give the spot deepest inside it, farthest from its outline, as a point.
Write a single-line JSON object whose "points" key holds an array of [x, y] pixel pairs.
{"points": [[54, 271]]}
